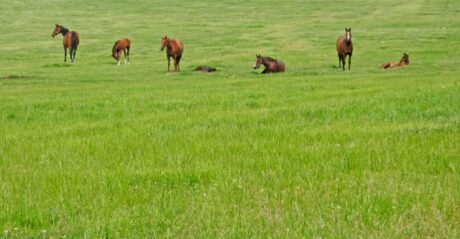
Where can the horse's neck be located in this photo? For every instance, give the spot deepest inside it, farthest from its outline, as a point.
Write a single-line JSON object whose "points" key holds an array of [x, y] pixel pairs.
{"points": [[169, 43], [265, 62], [268, 60], [64, 31]]}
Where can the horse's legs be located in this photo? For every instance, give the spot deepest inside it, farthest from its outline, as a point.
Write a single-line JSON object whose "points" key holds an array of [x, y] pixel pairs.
{"points": [[127, 53], [65, 54], [71, 54], [178, 61], [117, 54], [124, 54], [265, 71], [175, 62], [340, 60], [74, 53], [343, 62], [349, 62], [168, 61]]}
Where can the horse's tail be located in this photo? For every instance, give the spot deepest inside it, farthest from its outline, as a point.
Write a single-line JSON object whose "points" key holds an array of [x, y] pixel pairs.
{"points": [[114, 47], [74, 40]]}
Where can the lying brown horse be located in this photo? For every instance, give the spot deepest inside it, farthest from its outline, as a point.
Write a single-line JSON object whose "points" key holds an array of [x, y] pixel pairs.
{"points": [[344, 47], [403, 62], [121, 45], [71, 41], [205, 69], [174, 49], [271, 65]]}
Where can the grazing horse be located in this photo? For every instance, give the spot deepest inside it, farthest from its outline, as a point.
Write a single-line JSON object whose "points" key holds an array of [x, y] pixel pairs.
{"points": [[121, 45], [403, 62], [205, 68], [271, 65], [71, 41], [174, 49], [344, 47]]}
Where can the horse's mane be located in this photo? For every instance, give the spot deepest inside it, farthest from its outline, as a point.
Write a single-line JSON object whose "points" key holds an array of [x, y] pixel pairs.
{"points": [[64, 29], [268, 58], [115, 45]]}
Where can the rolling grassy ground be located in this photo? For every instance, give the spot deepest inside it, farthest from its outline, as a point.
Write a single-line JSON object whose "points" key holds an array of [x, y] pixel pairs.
{"points": [[95, 150]]}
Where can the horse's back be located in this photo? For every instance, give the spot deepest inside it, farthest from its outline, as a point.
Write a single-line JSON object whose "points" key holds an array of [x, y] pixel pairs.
{"points": [[205, 68], [71, 39], [281, 66], [121, 44], [125, 42], [179, 45]]}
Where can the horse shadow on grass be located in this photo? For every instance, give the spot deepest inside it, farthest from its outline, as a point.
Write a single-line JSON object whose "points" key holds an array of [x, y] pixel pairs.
{"points": [[57, 65]]}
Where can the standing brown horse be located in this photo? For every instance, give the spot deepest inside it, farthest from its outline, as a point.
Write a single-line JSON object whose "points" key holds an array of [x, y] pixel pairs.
{"points": [[174, 49], [71, 41], [271, 65], [344, 47], [403, 62], [121, 45]]}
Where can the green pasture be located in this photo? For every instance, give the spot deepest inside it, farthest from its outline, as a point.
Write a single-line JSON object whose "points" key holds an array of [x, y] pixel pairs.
{"points": [[96, 150]]}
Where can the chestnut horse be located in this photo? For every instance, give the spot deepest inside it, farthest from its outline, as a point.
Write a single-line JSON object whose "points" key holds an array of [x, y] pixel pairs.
{"points": [[174, 49], [344, 47], [403, 62], [121, 45], [271, 65], [71, 41]]}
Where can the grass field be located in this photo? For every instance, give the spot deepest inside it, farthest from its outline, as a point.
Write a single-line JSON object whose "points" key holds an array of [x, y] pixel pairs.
{"points": [[94, 150]]}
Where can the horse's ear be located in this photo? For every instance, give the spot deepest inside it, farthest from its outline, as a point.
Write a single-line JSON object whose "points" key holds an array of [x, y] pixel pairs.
{"points": [[57, 24]]}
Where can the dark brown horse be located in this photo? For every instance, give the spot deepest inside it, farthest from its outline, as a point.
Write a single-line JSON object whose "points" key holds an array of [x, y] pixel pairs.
{"points": [[121, 45], [403, 62], [345, 47], [271, 65], [205, 69], [174, 49], [71, 41]]}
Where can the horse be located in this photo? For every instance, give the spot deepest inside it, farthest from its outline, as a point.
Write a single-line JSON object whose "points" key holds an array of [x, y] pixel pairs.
{"points": [[344, 47], [403, 62], [174, 49], [71, 41], [121, 45], [271, 65], [205, 68]]}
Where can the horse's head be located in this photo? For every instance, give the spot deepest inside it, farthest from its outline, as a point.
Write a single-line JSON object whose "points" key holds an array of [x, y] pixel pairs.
{"points": [[348, 34], [258, 62], [115, 56], [57, 30], [164, 42], [405, 58]]}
